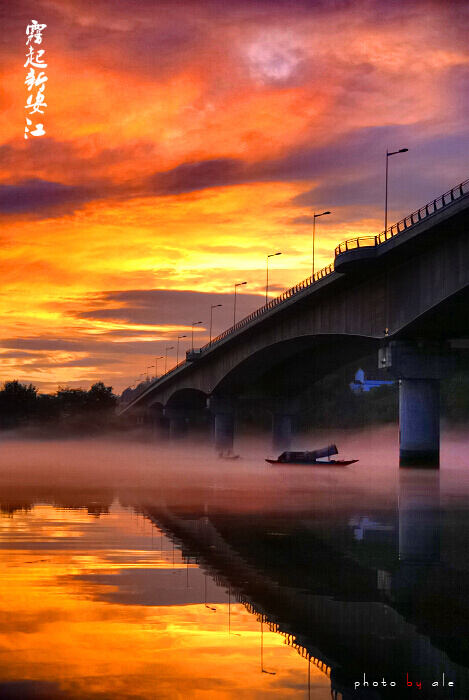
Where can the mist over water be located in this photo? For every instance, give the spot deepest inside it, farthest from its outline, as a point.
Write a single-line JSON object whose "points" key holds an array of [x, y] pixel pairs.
{"points": [[187, 468], [205, 566]]}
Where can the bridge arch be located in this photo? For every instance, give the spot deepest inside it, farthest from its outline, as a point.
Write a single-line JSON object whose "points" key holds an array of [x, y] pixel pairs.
{"points": [[188, 399], [287, 367]]}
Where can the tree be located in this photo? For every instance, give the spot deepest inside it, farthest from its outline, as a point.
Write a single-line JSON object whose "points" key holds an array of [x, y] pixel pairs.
{"points": [[71, 401], [17, 403], [100, 398]]}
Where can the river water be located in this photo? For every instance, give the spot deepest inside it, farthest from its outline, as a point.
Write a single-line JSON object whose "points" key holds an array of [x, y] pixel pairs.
{"points": [[134, 570]]}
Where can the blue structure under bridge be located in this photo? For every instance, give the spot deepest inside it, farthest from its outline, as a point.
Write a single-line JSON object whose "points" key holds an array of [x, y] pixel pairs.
{"points": [[360, 384]]}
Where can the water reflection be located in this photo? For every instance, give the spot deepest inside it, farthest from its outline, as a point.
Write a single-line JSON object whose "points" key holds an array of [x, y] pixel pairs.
{"points": [[222, 583], [116, 610]]}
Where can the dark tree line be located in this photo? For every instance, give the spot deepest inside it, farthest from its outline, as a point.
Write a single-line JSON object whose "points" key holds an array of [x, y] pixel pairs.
{"points": [[71, 409], [331, 403]]}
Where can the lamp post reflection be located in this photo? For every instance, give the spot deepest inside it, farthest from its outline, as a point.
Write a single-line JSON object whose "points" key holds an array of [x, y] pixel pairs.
{"points": [[209, 607], [229, 614], [263, 670]]}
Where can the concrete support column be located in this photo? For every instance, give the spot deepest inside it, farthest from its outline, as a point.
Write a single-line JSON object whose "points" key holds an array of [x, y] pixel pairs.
{"points": [[419, 423], [177, 427], [224, 431], [177, 423], [222, 408], [281, 431], [282, 410], [418, 366]]}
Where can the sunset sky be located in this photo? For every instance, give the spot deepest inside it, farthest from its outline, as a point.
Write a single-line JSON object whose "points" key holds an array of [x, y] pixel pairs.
{"points": [[185, 141]]}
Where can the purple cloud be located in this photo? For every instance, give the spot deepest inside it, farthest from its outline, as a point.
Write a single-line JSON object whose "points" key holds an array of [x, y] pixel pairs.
{"points": [[40, 197]]}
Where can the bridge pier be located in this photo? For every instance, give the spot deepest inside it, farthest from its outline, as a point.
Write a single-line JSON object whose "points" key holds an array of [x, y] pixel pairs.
{"points": [[418, 367], [223, 410], [419, 423], [224, 431], [177, 422], [282, 410], [281, 431]]}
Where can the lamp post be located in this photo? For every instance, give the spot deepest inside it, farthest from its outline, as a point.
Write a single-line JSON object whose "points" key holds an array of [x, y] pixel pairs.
{"points": [[392, 153], [315, 216], [215, 306], [234, 308], [166, 357], [192, 333], [148, 369], [272, 255], [177, 350], [160, 357]]}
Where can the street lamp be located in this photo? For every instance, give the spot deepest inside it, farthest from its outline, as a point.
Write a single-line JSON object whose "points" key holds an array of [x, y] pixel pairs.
{"points": [[234, 308], [315, 216], [215, 306], [160, 357], [177, 351], [192, 333], [272, 255], [148, 369], [393, 153], [166, 357]]}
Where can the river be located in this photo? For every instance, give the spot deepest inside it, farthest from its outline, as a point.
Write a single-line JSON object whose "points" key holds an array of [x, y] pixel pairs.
{"points": [[138, 570]]}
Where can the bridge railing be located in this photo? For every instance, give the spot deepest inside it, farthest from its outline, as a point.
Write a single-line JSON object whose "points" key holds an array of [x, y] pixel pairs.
{"points": [[274, 302], [319, 275], [428, 210]]}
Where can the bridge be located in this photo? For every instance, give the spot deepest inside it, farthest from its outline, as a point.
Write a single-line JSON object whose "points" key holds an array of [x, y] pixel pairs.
{"points": [[403, 293]]}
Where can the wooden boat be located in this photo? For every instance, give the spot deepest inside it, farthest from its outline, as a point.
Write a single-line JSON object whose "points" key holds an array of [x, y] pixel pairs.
{"points": [[320, 458]]}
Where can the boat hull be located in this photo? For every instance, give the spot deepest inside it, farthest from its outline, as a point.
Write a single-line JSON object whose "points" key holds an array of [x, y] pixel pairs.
{"points": [[330, 463]]}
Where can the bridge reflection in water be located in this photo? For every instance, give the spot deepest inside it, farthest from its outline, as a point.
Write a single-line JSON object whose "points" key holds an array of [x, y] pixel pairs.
{"points": [[384, 602], [360, 575]]}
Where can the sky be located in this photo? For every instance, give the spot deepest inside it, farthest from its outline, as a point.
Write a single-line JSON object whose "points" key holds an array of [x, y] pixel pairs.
{"points": [[186, 141]]}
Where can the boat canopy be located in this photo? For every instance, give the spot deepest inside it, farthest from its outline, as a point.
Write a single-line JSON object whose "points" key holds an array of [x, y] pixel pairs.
{"points": [[311, 455]]}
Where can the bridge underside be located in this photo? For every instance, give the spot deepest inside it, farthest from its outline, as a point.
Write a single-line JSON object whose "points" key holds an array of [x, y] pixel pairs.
{"points": [[292, 366], [448, 320]]}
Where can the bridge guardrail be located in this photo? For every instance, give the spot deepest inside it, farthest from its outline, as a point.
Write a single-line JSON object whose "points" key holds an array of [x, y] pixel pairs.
{"points": [[274, 302], [428, 210], [364, 241], [304, 284]]}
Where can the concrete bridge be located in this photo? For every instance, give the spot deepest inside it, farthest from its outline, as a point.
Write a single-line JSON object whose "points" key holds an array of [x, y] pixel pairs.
{"points": [[403, 293]]}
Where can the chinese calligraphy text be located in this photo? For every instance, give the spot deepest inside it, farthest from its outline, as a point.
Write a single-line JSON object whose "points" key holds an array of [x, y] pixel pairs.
{"points": [[34, 59]]}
